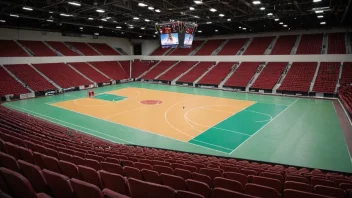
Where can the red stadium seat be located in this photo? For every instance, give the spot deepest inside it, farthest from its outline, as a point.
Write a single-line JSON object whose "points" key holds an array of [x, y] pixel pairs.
{"points": [[141, 189], [69, 169], [114, 182], [34, 176], [132, 172], [198, 187], [225, 193], [59, 184], [298, 186], [151, 176], [90, 175], [175, 182], [228, 184], [185, 174], [261, 191], [83, 189]]}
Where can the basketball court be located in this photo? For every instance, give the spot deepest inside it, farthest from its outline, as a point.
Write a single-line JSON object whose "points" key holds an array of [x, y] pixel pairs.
{"points": [[257, 127]]}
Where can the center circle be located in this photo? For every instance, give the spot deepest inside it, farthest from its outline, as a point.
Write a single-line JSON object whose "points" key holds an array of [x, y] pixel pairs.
{"points": [[151, 102]]}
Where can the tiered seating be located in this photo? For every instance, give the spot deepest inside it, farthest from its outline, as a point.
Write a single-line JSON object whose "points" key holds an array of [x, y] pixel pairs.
{"points": [[177, 70], [126, 66], [53, 162], [91, 73], [112, 69], [270, 75], [38, 48], [159, 51], [157, 70], [310, 44], [209, 47], [62, 48], [243, 74], [84, 48], [284, 45], [10, 48], [139, 67], [62, 74], [327, 77], [258, 46], [346, 76], [186, 51], [217, 74], [299, 77], [232, 46], [345, 94], [336, 43], [196, 72], [30, 77], [104, 49], [9, 85]]}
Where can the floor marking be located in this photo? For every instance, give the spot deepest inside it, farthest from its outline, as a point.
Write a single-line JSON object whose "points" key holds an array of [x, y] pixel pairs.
{"points": [[213, 145], [113, 115], [265, 125]]}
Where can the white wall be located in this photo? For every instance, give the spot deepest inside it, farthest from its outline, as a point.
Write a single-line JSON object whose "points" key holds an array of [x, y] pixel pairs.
{"points": [[17, 34]]}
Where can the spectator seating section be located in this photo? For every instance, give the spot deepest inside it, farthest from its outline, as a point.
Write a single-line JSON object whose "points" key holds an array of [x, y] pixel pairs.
{"points": [[62, 48], [104, 49], [270, 75], [186, 51], [85, 49], [30, 77], [9, 85], [196, 72], [284, 45], [158, 69], [159, 51], [139, 67], [217, 74], [62, 74], [327, 77], [232, 47], [345, 94], [299, 77], [346, 76], [112, 69], [177, 70], [126, 66], [209, 175], [310, 44], [242, 75], [90, 72], [38, 48], [209, 47], [10, 48], [258, 46], [336, 43]]}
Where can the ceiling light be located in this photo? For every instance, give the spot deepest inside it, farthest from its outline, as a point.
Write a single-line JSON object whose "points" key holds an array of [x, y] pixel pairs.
{"points": [[285, 25], [244, 28], [131, 27], [319, 11], [315, 1], [81, 28], [90, 18], [74, 3], [100, 10], [198, 2], [216, 30], [228, 19], [103, 19], [281, 23], [277, 19], [147, 20], [156, 32], [140, 36], [65, 15], [150, 8], [191, 8], [135, 18], [118, 27], [221, 15], [100, 26], [322, 23], [212, 10], [262, 8], [154, 36], [97, 34], [196, 17], [50, 12], [239, 27], [14, 15], [27, 8], [200, 31], [2, 21], [320, 16], [142, 4], [270, 14], [108, 17], [157, 10], [142, 28], [256, 2], [209, 22]]}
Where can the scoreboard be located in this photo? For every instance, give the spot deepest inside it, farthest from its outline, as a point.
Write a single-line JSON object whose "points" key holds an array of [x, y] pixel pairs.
{"points": [[176, 34]]}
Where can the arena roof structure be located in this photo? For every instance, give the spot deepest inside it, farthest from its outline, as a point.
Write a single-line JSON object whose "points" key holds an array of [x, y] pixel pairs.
{"points": [[136, 18]]}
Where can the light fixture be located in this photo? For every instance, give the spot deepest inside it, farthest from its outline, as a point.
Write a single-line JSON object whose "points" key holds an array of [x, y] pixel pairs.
{"points": [[221, 15], [135, 18], [316, 1], [209, 22], [199, 31], [285, 25], [196, 17], [81, 28], [100, 10], [118, 27], [27, 8], [14, 15], [50, 12], [90, 18], [131, 27], [322, 23], [212, 10], [244, 28], [97, 34], [146, 20], [216, 30], [154, 36], [256, 2], [100, 26], [142, 28], [157, 10], [270, 14], [2, 21], [262, 8], [103, 19], [320, 16], [108, 17], [65, 15], [142, 4], [191, 8], [240, 27], [277, 19], [228, 19], [281, 23], [150, 8], [74, 3], [319, 11], [140, 36], [198, 2]]}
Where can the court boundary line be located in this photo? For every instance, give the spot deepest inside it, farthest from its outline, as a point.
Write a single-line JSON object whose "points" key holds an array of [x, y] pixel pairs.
{"points": [[213, 145], [264, 126]]}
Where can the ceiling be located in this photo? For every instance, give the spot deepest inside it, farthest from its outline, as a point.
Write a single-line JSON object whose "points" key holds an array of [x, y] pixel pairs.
{"points": [[230, 17]]}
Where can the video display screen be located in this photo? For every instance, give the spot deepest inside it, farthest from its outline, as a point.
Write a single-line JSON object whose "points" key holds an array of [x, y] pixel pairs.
{"points": [[176, 34], [169, 40], [188, 40]]}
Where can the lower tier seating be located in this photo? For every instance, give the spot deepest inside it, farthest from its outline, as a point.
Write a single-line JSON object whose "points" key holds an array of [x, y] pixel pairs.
{"points": [[345, 94], [217, 74], [299, 77], [270, 75], [242, 75], [327, 77], [112, 69], [8, 85], [30, 77], [90, 72], [196, 72], [177, 70], [139, 67], [40, 159], [346, 75], [158, 69]]}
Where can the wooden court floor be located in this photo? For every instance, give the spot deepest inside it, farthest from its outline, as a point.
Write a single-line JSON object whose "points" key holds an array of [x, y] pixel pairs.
{"points": [[301, 132]]}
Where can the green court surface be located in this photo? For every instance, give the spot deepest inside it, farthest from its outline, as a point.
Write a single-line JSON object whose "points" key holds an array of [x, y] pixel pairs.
{"points": [[286, 130]]}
